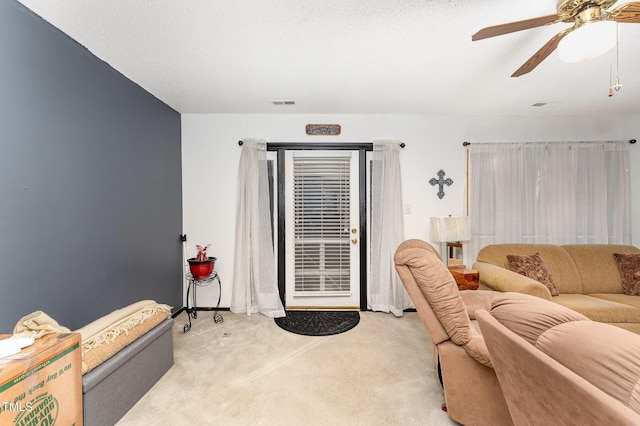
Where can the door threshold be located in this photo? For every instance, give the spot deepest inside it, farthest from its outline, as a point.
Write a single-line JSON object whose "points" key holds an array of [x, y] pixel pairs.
{"points": [[322, 308]]}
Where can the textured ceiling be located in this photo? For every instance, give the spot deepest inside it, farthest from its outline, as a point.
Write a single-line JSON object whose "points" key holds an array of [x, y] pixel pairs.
{"points": [[343, 56]]}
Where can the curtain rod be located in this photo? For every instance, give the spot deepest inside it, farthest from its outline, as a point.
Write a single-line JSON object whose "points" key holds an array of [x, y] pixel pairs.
{"points": [[465, 143], [402, 144]]}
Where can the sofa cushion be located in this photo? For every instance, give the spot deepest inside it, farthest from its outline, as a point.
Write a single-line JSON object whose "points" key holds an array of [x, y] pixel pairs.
{"points": [[561, 267], [623, 299], [598, 268], [629, 266], [532, 266], [599, 309]]}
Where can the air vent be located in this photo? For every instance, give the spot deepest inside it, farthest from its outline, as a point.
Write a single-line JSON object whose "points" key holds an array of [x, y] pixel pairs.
{"points": [[549, 104], [283, 102]]}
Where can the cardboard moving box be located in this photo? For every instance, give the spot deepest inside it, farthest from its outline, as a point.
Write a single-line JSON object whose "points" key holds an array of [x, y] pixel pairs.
{"points": [[42, 385]]}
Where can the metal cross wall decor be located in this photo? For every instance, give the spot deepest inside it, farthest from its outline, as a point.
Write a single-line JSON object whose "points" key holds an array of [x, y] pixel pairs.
{"points": [[441, 182]]}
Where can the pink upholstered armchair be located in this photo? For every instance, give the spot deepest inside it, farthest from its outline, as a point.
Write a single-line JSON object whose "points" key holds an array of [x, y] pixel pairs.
{"points": [[555, 366], [471, 390]]}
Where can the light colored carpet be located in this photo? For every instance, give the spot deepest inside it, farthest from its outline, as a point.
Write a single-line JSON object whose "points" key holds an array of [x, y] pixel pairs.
{"points": [[249, 371]]}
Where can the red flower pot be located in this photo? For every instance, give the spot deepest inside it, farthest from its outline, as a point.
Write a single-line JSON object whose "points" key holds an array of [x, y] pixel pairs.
{"points": [[201, 269]]}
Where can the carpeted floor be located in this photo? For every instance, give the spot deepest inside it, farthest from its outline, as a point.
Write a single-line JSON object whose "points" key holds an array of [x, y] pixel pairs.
{"points": [[248, 371]]}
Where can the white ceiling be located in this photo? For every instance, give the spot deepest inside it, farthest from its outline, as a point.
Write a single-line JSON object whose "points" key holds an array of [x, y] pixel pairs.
{"points": [[343, 56]]}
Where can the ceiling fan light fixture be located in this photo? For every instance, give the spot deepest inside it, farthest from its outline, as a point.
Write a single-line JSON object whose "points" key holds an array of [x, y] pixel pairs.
{"points": [[588, 42]]}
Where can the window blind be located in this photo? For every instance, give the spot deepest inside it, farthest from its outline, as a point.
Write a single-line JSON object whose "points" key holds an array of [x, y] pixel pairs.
{"points": [[321, 230]]}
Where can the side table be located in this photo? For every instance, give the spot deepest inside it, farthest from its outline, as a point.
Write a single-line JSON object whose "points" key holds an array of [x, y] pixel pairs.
{"points": [[467, 279], [192, 312]]}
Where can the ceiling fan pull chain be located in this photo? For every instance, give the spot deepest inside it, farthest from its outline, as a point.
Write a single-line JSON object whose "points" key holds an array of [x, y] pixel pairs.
{"points": [[610, 94], [618, 85]]}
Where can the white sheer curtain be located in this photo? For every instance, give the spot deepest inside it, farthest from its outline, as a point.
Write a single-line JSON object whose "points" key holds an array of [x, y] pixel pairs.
{"points": [[255, 285], [549, 192], [385, 291]]}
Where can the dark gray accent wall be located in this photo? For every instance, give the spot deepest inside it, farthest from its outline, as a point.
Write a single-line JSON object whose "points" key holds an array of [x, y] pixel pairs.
{"points": [[90, 181]]}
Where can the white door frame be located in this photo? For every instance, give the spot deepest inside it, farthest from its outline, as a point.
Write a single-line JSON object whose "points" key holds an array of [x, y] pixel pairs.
{"points": [[323, 297], [279, 149]]}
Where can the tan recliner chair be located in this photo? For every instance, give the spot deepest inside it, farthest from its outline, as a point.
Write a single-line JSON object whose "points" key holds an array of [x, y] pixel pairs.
{"points": [[471, 390], [557, 367]]}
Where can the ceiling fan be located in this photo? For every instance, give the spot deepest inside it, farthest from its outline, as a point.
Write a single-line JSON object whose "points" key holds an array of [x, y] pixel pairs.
{"points": [[580, 12]]}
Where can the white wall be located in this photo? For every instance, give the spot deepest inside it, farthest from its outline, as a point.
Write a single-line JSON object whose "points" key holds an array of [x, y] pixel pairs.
{"points": [[210, 155]]}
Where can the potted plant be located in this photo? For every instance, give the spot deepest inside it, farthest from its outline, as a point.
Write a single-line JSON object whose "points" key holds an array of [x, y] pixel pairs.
{"points": [[201, 266]]}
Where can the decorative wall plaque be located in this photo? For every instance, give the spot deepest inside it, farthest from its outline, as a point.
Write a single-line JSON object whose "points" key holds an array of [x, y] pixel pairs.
{"points": [[323, 129]]}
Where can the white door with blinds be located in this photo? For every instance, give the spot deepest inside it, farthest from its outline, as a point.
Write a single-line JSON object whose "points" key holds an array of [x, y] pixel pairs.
{"points": [[322, 230]]}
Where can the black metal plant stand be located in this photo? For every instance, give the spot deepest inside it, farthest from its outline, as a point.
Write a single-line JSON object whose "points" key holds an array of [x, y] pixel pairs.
{"points": [[192, 312]]}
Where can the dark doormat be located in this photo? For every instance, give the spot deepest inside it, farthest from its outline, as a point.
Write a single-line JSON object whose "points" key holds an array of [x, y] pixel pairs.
{"points": [[318, 323]]}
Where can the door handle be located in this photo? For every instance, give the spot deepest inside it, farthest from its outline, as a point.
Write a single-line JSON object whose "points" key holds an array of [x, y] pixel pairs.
{"points": [[354, 240]]}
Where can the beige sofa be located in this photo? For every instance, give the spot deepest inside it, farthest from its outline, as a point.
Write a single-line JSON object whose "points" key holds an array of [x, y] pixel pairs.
{"points": [[586, 276], [471, 390], [557, 367]]}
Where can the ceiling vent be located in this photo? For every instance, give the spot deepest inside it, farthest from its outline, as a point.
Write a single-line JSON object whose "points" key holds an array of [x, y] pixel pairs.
{"points": [[283, 102], [550, 104]]}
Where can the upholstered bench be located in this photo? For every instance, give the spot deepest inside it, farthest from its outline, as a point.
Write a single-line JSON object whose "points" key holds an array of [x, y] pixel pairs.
{"points": [[123, 355]]}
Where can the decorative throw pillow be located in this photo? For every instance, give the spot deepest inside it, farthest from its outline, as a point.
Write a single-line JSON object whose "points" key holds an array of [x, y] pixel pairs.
{"points": [[629, 265], [532, 267]]}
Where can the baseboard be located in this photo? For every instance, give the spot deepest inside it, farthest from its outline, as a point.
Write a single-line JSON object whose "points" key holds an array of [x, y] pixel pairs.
{"points": [[184, 308], [179, 311], [211, 309]]}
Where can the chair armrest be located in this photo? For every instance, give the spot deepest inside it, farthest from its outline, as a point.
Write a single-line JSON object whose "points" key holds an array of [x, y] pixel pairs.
{"points": [[478, 299], [500, 279]]}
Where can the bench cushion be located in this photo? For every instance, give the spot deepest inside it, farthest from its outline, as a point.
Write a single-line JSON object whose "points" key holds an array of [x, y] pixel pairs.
{"points": [[108, 335]]}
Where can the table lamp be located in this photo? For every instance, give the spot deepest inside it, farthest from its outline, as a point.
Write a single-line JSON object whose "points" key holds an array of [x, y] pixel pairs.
{"points": [[449, 228]]}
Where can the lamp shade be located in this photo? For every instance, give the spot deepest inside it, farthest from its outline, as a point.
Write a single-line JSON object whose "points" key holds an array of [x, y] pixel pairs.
{"points": [[588, 42], [450, 228]]}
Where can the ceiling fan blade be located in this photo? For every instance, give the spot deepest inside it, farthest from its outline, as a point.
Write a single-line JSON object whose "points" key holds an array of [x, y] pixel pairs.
{"points": [[512, 27], [542, 54], [626, 13]]}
